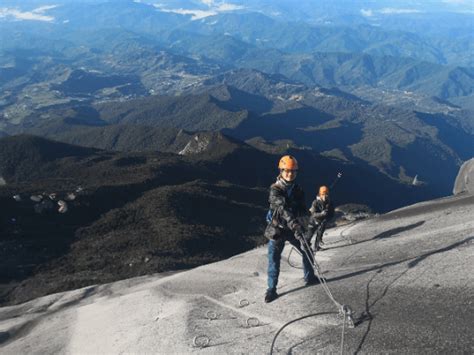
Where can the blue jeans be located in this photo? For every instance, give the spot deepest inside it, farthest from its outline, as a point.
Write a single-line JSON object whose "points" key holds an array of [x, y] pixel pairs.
{"points": [[275, 248]]}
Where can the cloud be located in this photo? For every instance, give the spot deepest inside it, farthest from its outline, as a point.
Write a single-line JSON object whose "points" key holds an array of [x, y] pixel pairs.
{"points": [[208, 2], [228, 7], [42, 9], [195, 14], [388, 11], [33, 15], [393, 11], [461, 2], [214, 9]]}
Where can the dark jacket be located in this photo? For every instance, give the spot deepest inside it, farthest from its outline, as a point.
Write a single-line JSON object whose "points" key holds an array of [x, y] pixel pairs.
{"points": [[286, 207], [317, 208]]}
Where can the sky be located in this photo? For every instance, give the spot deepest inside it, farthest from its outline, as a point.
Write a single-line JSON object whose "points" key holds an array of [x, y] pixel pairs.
{"points": [[37, 10]]}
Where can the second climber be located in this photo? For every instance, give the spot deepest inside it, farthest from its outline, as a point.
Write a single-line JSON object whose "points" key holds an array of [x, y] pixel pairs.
{"points": [[322, 210]]}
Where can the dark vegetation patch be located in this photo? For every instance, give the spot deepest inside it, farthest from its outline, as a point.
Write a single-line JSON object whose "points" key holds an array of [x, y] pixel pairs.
{"points": [[450, 134], [81, 82], [191, 112], [129, 161], [167, 228], [132, 215]]}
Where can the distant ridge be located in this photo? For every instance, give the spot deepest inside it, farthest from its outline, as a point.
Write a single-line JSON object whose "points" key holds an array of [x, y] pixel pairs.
{"points": [[21, 157]]}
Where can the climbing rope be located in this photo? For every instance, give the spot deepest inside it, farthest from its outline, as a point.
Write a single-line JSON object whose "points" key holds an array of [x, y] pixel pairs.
{"points": [[342, 335], [322, 280], [289, 256], [343, 310], [293, 321]]}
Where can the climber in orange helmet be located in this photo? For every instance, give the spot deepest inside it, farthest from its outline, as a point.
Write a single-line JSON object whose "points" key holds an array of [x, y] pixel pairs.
{"points": [[286, 207], [322, 210]]}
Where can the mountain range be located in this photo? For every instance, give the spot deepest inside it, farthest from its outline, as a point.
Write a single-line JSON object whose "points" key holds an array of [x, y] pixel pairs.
{"points": [[130, 113], [250, 105]]}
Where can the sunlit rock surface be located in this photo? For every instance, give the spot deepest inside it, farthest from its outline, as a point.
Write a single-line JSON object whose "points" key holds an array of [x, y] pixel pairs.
{"points": [[408, 276], [465, 179]]}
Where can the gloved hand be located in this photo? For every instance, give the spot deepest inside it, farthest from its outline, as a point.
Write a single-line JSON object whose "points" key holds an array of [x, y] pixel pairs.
{"points": [[324, 213], [296, 228], [301, 238]]}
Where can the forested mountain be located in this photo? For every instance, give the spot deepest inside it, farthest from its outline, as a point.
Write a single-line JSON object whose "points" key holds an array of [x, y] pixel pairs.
{"points": [[393, 140]]}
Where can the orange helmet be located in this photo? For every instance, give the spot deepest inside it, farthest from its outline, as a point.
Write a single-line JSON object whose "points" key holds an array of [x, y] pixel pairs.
{"points": [[323, 190], [288, 162]]}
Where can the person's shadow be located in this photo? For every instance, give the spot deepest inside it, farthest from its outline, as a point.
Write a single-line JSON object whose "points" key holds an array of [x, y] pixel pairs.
{"points": [[293, 290]]}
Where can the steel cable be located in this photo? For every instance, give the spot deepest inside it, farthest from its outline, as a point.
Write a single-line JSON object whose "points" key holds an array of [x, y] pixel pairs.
{"points": [[293, 321], [343, 310]]}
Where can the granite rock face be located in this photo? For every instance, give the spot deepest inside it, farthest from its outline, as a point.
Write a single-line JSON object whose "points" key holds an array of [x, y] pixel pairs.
{"points": [[465, 179], [404, 274]]}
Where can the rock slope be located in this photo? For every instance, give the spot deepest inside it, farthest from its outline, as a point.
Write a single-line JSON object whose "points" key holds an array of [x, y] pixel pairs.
{"points": [[465, 179], [408, 276]]}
